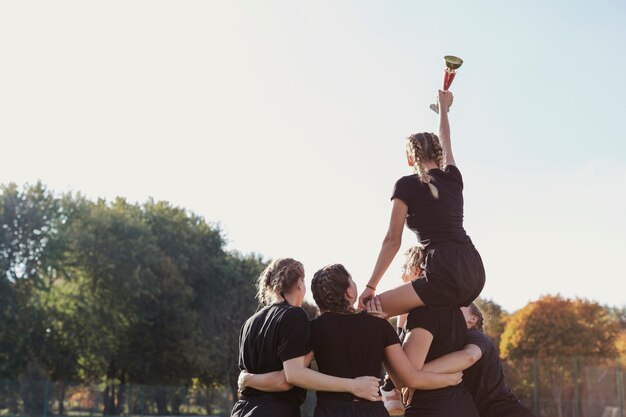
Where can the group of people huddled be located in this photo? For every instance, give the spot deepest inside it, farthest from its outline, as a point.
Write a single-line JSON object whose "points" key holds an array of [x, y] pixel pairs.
{"points": [[438, 362]]}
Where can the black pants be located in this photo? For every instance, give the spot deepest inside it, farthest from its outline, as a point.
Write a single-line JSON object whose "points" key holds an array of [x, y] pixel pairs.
{"points": [[333, 408], [445, 402], [507, 409], [265, 406]]}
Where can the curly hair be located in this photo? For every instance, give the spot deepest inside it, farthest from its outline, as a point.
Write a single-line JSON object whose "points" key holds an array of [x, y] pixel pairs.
{"points": [[425, 147], [278, 278], [413, 258], [329, 287]]}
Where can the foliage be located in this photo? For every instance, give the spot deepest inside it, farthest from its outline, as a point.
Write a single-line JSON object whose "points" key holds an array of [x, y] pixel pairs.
{"points": [[117, 293], [494, 318], [555, 326], [556, 332]]}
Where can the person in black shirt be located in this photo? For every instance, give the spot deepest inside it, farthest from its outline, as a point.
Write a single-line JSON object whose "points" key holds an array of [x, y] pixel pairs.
{"points": [[392, 397], [431, 204], [483, 372], [348, 343], [277, 338], [432, 333]]}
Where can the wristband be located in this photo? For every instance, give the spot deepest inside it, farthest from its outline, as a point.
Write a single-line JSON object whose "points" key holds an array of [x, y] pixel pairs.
{"points": [[370, 287]]}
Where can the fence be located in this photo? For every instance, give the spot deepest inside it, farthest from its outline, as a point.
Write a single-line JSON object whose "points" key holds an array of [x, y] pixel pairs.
{"points": [[44, 398], [551, 387]]}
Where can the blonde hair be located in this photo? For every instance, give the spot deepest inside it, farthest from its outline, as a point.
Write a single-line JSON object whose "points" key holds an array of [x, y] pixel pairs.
{"points": [[425, 147], [278, 278], [413, 258]]}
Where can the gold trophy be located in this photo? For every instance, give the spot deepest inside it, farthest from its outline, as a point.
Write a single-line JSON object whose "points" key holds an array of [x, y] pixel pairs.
{"points": [[452, 64]]}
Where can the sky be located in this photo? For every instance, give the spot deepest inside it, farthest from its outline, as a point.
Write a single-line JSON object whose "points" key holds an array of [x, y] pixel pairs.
{"points": [[284, 123]]}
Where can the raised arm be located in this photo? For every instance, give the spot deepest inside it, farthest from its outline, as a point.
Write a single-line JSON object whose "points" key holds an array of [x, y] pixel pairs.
{"points": [[445, 101], [297, 373], [455, 361], [390, 247], [403, 374]]}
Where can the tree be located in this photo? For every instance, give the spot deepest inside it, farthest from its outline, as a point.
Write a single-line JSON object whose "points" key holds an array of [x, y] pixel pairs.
{"points": [[556, 331], [116, 293], [555, 326]]}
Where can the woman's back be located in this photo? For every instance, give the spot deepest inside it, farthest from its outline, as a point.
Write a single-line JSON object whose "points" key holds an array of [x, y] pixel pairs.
{"points": [[350, 345], [276, 333], [449, 329], [434, 220]]}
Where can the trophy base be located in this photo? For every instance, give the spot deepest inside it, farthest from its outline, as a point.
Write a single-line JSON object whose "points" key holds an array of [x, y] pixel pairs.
{"points": [[435, 108]]}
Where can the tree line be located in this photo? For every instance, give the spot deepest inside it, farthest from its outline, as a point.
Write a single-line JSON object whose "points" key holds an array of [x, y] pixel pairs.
{"points": [[124, 293], [116, 292]]}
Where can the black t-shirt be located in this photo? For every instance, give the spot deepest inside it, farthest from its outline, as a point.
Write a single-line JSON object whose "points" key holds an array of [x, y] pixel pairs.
{"points": [[275, 334], [485, 379], [448, 328], [434, 220], [349, 346]]}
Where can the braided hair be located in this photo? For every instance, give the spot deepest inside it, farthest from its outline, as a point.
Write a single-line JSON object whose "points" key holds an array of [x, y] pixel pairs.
{"points": [[278, 278], [329, 287], [425, 147]]}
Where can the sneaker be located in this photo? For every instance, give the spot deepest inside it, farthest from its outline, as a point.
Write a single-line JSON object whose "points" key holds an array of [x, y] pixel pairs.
{"points": [[393, 401]]}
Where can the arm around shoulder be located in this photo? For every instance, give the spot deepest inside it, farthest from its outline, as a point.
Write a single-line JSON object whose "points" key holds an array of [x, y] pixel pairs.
{"points": [[269, 382], [455, 361], [297, 373]]}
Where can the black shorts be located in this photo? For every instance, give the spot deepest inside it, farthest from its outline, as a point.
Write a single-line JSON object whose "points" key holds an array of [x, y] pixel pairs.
{"points": [[263, 406], [444, 402], [332, 408], [453, 276], [507, 409]]}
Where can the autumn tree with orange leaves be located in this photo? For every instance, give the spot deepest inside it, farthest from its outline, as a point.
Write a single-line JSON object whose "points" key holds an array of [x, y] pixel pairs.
{"points": [[557, 332]]}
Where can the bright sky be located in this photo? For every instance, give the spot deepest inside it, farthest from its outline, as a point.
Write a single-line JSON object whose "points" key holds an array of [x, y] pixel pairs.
{"points": [[285, 122]]}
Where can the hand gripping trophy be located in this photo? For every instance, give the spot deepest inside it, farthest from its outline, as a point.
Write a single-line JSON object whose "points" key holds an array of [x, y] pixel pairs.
{"points": [[452, 64]]}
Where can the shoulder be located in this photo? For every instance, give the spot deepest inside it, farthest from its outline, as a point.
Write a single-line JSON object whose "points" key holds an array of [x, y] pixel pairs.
{"points": [[258, 316], [406, 187], [424, 317], [319, 321], [453, 171], [373, 320], [407, 180], [296, 312], [289, 314], [478, 338], [425, 312]]}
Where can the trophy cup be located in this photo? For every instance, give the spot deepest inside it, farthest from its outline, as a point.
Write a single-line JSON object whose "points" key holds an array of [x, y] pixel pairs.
{"points": [[452, 64]]}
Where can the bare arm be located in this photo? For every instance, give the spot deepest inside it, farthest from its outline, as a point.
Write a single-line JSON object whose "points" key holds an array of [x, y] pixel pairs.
{"points": [[269, 382], [389, 249], [445, 101], [416, 345], [455, 361], [297, 373], [401, 371]]}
